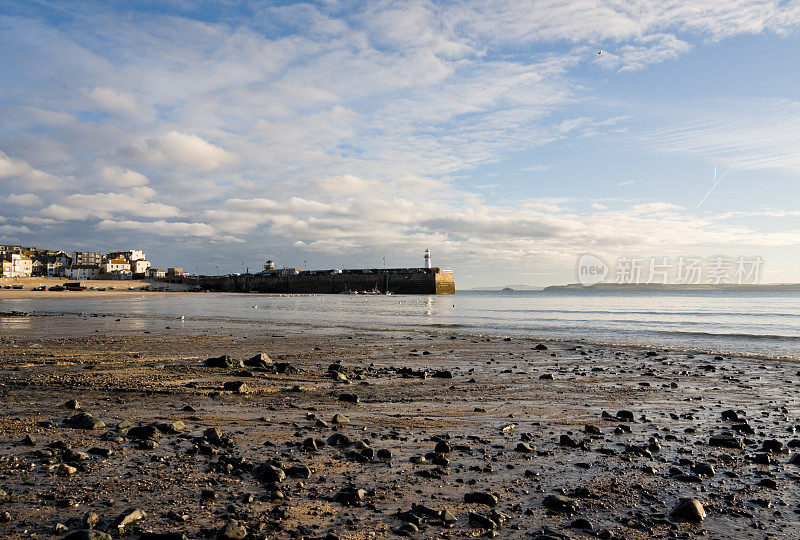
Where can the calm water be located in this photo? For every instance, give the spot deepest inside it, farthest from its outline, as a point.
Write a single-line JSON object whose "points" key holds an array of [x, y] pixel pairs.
{"points": [[759, 324]]}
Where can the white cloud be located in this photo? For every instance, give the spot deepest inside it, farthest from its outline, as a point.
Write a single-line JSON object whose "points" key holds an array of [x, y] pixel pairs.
{"points": [[14, 229], [107, 205], [111, 100], [163, 228], [180, 148], [17, 170], [123, 177], [24, 199]]}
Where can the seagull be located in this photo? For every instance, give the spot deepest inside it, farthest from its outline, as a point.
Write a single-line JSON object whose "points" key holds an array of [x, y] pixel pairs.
{"points": [[183, 317], [601, 51]]}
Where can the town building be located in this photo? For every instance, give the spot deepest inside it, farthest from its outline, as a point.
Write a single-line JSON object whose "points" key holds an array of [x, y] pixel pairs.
{"points": [[113, 266], [16, 265], [92, 258], [156, 273], [139, 266], [79, 272]]}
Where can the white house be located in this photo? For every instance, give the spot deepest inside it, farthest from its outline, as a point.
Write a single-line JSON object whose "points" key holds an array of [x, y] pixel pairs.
{"points": [[16, 265], [80, 272], [139, 266], [112, 266]]}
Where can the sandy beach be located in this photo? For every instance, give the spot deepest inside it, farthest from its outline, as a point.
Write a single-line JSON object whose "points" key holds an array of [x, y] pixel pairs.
{"points": [[117, 287], [124, 427]]}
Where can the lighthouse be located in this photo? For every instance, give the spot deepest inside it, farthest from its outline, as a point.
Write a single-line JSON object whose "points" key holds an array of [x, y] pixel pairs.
{"points": [[427, 258]]}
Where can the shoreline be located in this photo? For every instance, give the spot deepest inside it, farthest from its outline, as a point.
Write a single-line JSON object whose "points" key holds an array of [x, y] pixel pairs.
{"points": [[459, 330]]}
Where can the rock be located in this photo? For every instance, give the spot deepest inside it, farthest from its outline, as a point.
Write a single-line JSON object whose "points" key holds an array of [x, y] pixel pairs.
{"points": [[625, 416], [406, 529], [481, 497], [349, 398], [540, 347], [239, 387], [66, 470], [5, 517], [703, 469], [170, 427], [87, 535], [285, 368], [350, 496], [338, 439], [386, 455], [794, 460], [689, 510], [84, 420], [298, 471], [523, 448], [72, 404], [232, 530], [261, 360], [480, 521], [560, 504], [223, 361], [772, 445], [128, 518], [730, 415], [4, 497], [442, 447], [144, 433], [726, 440], [546, 377], [442, 374], [567, 442], [90, 520], [340, 419], [60, 528], [269, 473], [28, 440], [582, 523]]}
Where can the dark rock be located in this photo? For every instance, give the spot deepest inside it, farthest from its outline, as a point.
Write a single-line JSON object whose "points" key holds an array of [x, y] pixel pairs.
{"points": [[481, 497], [560, 504], [689, 510], [703, 469], [795, 459], [481, 522], [232, 530], [72, 404], [540, 347], [523, 448], [261, 360], [84, 420], [144, 433], [442, 447], [442, 374], [285, 368], [546, 377], [223, 361], [730, 415], [349, 398], [726, 440], [567, 442], [582, 523], [350, 496], [298, 471], [170, 427], [772, 445], [626, 416], [28, 440], [386, 455], [270, 473], [240, 387]]}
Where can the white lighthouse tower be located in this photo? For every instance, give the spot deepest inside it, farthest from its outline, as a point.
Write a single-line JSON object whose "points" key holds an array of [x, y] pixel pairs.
{"points": [[427, 258]]}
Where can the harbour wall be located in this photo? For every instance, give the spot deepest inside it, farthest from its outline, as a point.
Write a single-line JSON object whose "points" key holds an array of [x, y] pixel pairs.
{"points": [[428, 281]]}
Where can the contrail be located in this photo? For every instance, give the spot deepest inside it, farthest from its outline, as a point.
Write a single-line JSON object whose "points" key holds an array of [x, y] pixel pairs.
{"points": [[718, 180]]}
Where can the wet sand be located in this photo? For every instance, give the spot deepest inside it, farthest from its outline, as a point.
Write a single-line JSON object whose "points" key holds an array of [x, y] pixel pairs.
{"points": [[510, 439]]}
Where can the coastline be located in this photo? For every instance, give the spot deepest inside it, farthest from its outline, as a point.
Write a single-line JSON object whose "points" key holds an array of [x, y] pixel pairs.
{"points": [[499, 394]]}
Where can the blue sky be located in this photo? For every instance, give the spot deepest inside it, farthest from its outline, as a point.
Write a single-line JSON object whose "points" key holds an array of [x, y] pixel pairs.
{"points": [[212, 134]]}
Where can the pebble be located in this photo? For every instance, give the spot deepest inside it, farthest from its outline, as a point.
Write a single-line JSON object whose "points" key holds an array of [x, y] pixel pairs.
{"points": [[689, 510]]}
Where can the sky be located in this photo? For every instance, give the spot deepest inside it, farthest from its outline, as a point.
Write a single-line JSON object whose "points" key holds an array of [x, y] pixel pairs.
{"points": [[337, 134]]}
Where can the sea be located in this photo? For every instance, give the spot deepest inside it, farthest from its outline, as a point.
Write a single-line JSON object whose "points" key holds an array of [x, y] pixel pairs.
{"points": [[753, 324]]}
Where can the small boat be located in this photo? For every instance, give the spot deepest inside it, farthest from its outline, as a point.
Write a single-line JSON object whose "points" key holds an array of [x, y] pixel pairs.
{"points": [[349, 292]]}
